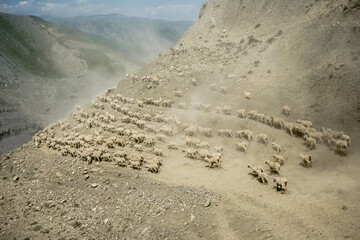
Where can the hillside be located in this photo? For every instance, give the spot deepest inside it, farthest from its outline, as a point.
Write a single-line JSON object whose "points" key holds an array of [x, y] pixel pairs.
{"points": [[168, 152], [46, 69]]}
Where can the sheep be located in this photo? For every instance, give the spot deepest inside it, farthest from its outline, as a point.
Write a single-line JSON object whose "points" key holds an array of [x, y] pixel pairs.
{"points": [[204, 145], [137, 147], [285, 110], [247, 134], [242, 146], [160, 137], [276, 147], [260, 117], [120, 154], [247, 95], [138, 138], [136, 157], [223, 90], [158, 152], [190, 153], [166, 103], [341, 146], [252, 114], [306, 160], [262, 177], [268, 120], [205, 107], [345, 138], [281, 184], [149, 142], [214, 160], [214, 87], [289, 128], [194, 82], [227, 133], [201, 154], [274, 166], [167, 131], [106, 157], [135, 165], [310, 142], [190, 131], [262, 138], [207, 132], [156, 159], [305, 123], [172, 145], [241, 113], [147, 117], [277, 122], [178, 93], [317, 135], [153, 167], [219, 149], [299, 129], [140, 124], [182, 105], [255, 169], [226, 110], [151, 129], [121, 162], [279, 158]]}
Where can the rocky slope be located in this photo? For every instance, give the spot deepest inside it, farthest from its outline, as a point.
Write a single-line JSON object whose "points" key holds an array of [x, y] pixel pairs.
{"points": [[182, 108]]}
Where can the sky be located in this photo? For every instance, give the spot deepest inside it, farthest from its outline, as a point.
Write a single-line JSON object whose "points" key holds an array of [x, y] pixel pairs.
{"points": [[172, 10]]}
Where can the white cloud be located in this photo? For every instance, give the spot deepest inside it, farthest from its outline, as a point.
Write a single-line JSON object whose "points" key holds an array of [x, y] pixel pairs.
{"points": [[80, 2], [24, 3], [174, 12]]}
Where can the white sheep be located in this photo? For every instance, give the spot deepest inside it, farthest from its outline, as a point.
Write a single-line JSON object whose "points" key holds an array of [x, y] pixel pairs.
{"points": [[285, 110], [274, 166], [341, 146], [214, 160], [289, 127], [306, 160], [262, 138], [247, 95], [310, 142], [242, 146], [306, 123], [158, 152], [279, 158], [317, 135], [281, 184], [247, 134], [276, 147], [241, 113]]}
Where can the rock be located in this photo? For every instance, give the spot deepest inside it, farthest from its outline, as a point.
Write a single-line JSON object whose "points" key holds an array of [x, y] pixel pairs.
{"points": [[16, 178], [192, 217], [94, 185], [75, 224], [207, 203]]}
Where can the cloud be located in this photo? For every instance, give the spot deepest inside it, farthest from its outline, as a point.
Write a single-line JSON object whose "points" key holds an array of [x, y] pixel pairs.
{"points": [[80, 2], [174, 12]]}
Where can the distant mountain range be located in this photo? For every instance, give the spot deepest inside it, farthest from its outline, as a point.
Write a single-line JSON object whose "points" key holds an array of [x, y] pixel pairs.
{"points": [[137, 39]]}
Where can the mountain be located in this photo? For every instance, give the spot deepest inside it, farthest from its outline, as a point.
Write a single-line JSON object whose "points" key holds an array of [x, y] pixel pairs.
{"points": [[46, 69], [196, 145], [139, 40]]}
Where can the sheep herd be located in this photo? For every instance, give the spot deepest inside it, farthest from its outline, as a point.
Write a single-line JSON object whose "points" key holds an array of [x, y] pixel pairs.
{"points": [[126, 131]]}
